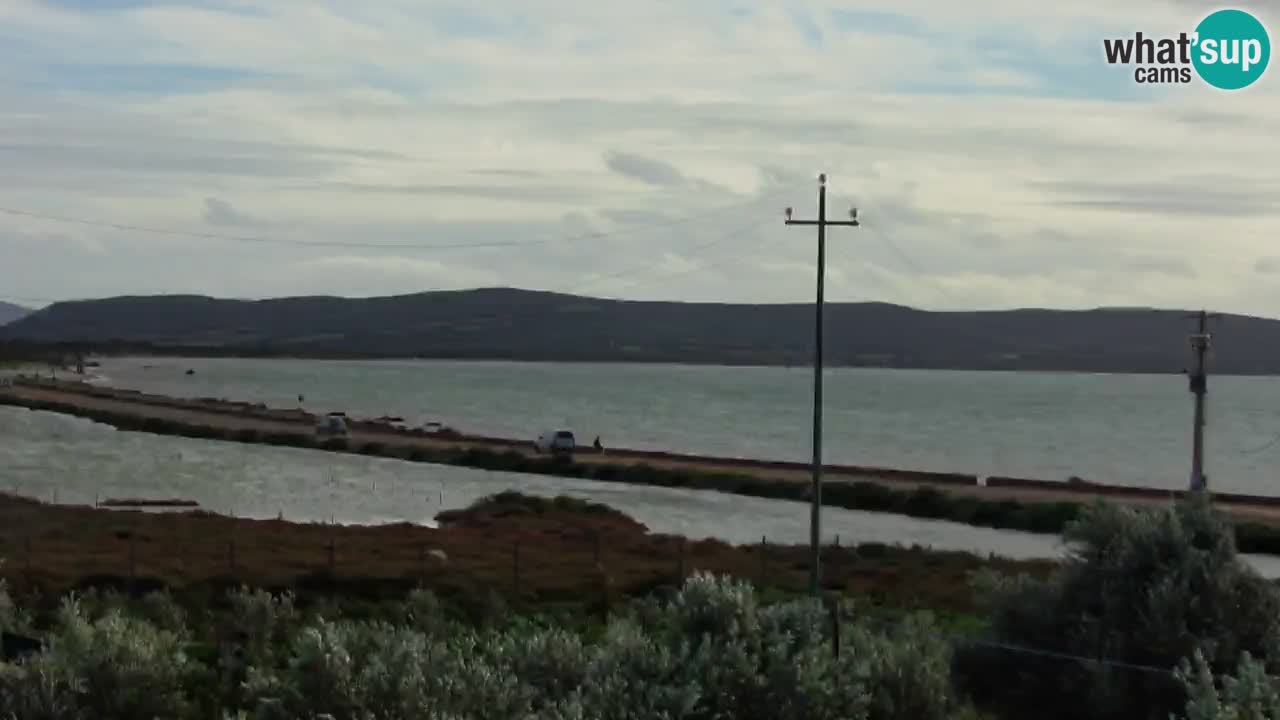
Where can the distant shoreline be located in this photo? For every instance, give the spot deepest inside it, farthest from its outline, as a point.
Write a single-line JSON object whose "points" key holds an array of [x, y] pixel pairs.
{"points": [[213, 354]]}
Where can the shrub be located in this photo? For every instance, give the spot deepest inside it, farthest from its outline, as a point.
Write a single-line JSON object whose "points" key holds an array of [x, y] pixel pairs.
{"points": [[248, 435], [158, 426], [1142, 587], [1251, 694], [114, 667], [262, 621]]}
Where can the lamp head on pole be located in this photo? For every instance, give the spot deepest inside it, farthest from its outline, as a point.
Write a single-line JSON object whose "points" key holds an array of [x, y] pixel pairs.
{"points": [[788, 211], [853, 215], [822, 179]]}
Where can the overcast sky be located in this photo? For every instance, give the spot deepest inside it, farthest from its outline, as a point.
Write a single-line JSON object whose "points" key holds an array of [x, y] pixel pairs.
{"points": [[640, 150]]}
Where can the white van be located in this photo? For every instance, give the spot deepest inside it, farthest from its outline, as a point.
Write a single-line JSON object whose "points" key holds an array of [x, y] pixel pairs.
{"points": [[557, 442]]}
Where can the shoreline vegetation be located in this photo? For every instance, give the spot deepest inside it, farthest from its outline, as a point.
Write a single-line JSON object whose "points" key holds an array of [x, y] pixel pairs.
{"points": [[511, 548], [1152, 616], [1001, 503]]}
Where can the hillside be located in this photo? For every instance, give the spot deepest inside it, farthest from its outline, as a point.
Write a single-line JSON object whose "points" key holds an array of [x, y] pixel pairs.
{"points": [[527, 325], [10, 312]]}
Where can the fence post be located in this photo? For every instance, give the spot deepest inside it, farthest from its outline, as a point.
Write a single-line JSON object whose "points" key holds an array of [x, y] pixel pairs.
{"points": [[835, 627], [515, 567], [133, 561], [764, 549]]}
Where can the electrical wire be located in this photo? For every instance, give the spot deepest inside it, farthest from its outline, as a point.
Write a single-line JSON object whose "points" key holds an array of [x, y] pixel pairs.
{"points": [[262, 239], [640, 268], [1274, 441], [586, 236], [885, 237]]}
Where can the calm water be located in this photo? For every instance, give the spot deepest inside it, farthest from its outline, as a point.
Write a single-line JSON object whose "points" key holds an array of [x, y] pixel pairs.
{"points": [[1131, 429]]}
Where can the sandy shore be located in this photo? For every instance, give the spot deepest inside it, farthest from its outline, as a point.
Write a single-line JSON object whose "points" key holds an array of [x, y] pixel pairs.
{"points": [[243, 416]]}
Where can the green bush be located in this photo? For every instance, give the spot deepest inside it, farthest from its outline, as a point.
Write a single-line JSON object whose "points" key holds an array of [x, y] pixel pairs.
{"points": [[1144, 588], [112, 667], [248, 435], [710, 651], [1251, 694]]}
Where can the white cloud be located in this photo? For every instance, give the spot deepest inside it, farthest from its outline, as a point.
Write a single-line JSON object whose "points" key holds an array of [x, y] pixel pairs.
{"points": [[1036, 178]]}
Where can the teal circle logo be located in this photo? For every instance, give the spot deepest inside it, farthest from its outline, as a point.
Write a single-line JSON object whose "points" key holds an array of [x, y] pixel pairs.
{"points": [[1231, 49]]}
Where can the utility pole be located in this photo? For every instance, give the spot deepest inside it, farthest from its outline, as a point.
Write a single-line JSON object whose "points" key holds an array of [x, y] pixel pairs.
{"points": [[1199, 387], [815, 513]]}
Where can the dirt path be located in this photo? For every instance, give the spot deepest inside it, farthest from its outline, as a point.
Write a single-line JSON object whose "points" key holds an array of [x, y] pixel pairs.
{"points": [[235, 417]]}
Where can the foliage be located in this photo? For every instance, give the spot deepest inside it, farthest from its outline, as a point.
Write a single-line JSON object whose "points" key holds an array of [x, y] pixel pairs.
{"points": [[111, 667], [1250, 695], [709, 651], [1145, 588]]}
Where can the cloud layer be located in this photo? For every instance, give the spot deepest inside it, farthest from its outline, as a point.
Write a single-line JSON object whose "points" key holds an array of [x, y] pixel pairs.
{"points": [[640, 151]]}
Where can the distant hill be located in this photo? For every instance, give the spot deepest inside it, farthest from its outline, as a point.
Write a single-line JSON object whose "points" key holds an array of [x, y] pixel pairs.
{"points": [[10, 312], [542, 326]]}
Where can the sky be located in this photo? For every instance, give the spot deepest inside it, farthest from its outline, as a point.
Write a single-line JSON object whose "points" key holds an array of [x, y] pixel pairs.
{"points": [[634, 150]]}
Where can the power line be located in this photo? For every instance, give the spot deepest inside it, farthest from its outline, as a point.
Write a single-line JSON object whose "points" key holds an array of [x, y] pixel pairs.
{"points": [[885, 237], [737, 233], [887, 624], [702, 267], [1272, 443], [263, 239], [640, 268]]}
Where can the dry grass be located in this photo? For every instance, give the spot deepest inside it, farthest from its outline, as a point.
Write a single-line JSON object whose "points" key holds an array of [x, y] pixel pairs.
{"points": [[55, 549]]}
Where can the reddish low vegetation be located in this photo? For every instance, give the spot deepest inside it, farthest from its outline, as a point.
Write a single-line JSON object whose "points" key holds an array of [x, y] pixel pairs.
{"points": [[531, 550]]}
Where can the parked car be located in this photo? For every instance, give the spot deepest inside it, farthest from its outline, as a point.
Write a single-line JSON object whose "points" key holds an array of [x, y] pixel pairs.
{"points": [[556, 442], [335, 423]]}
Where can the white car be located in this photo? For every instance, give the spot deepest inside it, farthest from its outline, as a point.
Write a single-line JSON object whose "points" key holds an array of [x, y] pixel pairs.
{"points": [[335, 423], [556, 442]]}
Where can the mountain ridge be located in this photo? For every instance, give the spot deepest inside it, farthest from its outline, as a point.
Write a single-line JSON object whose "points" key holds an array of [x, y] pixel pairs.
{"points": [[10, 312], [516, 324]]}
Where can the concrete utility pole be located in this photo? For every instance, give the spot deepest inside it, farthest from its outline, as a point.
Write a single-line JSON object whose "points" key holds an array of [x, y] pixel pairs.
{"points": [[1199, 387], [815, 516]]}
